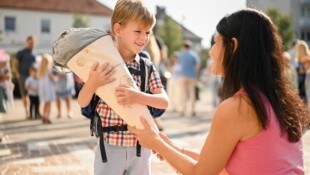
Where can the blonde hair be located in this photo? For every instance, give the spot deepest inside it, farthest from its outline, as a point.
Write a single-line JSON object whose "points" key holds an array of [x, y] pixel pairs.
{"points": [[132, 10], [302, 49], [46, 65], [154, 50]]}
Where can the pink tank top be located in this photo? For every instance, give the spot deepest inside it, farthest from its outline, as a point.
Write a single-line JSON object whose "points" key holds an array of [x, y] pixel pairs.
{"points": [[267, 153]]}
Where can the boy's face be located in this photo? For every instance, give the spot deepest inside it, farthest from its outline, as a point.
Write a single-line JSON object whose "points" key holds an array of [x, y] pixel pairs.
{"points": [[132, 37], [32, 72]]}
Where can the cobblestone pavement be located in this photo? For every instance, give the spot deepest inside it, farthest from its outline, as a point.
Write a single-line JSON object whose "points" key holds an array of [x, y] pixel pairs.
{"points": [[66, 148]]}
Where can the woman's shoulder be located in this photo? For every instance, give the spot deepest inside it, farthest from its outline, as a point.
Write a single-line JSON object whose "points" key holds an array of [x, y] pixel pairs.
{"points": [[238, 112], [237, 108], [235, 104]]}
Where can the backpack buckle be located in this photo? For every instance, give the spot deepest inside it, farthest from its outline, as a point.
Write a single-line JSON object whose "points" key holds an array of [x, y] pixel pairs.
{"points": [[120, 128]]}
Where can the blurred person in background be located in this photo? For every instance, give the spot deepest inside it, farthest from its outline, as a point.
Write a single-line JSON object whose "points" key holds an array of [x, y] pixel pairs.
{"points": [[32, 87], [190, 65], [173, 86], [21, 64], [6, 85], [213, 82], [289, 70], [303, 56], [64, 91], [47, 92]]}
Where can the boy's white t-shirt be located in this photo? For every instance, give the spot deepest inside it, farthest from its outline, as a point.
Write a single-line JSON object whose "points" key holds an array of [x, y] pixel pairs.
{"points": [[34, 83]]}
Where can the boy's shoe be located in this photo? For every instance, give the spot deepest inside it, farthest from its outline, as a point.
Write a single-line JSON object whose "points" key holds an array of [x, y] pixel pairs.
{"points": [[70, 115], [193, 114], [28, 117], [38, 116], [46, 121]]}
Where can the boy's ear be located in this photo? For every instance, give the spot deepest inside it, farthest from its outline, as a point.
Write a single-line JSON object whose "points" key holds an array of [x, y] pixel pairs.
{"points": [[117, 28]]}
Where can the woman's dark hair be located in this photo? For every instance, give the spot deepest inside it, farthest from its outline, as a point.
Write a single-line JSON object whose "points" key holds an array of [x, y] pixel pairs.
{"points": [[257, 66]]}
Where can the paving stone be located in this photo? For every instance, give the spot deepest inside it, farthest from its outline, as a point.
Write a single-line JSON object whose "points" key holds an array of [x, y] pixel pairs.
{"points": [[65, 147]]}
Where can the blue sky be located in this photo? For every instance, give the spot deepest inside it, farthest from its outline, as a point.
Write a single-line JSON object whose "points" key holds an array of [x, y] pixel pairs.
{"points": [[199, 16]]}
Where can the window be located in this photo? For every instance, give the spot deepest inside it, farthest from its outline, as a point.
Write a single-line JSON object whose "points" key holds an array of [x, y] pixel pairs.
{"points": [[10, 24], [45, 26], [305, 11]]}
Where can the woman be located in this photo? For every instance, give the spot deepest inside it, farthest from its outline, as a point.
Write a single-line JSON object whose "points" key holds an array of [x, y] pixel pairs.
{"points": [[257, 128]]}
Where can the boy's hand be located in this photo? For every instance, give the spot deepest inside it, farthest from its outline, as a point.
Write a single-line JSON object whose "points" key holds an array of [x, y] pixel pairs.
{"points": [[100, 75], [126, 95]]}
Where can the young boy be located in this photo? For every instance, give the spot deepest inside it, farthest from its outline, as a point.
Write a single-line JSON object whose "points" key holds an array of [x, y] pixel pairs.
{"points": [[132, 23], [32, 86]]}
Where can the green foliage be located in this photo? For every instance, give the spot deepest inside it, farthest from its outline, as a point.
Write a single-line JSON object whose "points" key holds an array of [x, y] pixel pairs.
{"points": [[283, 24], [79, 21], [204, 57], [171, 33]]}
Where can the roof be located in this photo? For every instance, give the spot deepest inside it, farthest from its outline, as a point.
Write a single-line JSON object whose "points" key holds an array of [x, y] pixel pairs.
{"points": [[161, 14], [70, 6], [188, 34]]}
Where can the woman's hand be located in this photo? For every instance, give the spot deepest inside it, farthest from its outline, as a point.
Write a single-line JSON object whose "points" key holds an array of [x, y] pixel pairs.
{"points": [[100, 75], [167, 140], [126, 95], [159, 156], [148, 137]]}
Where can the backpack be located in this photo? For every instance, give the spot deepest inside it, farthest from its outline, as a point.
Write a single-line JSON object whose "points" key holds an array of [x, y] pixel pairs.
{"points": [[146, 64], [95, 121]]}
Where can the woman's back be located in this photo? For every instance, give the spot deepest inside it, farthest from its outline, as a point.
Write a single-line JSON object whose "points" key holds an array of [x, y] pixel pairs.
{"points": [[268, 152]]}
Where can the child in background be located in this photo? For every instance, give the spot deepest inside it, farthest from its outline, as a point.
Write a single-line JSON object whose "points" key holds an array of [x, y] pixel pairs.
{"points": [[47, 93], [6, 82], [64, 91], [32, 86], [132, 24]]}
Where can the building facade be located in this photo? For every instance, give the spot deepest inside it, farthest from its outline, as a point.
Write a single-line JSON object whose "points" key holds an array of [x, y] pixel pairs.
{"points": [[46, 20], [298, 10], [187, 34]]}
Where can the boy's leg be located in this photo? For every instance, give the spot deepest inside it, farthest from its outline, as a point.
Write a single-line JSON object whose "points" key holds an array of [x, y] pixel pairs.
{"points": [[116, 163], [37, 107], [138, 165], [31, 107]]}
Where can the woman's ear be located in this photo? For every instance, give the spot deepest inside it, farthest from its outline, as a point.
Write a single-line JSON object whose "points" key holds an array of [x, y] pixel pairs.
{"points": [[116, 29], [235, 41]]}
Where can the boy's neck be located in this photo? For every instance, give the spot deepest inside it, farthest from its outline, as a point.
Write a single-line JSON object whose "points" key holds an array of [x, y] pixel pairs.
{"points": [[127, 57]]}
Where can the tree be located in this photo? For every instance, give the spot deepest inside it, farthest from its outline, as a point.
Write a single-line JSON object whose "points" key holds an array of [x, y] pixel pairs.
{"points": [[283, 24], [79, 21], [171, 33]]}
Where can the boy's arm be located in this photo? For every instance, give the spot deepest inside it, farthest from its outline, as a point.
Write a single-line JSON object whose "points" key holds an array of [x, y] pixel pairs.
{"points": [[86, 94], [128, 95], [158, 98]]}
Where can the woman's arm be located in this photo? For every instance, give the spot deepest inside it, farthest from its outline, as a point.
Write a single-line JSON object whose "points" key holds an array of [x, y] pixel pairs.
{"points": [[228, 127], [191, 153]]}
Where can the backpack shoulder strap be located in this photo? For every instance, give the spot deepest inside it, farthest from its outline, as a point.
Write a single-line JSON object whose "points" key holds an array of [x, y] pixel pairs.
{"points": [[145, 64], [94, 101]]}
